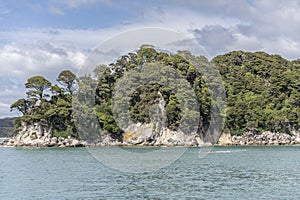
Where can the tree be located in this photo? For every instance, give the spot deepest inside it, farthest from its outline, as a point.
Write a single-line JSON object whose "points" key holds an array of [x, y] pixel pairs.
{"points": [[38, 85], [175, 70], [67, 79], [262, 93], [56, 91], [21, 105]]}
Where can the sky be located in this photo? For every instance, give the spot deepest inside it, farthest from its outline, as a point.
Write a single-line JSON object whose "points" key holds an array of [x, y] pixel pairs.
{"points": [[46, 37]]}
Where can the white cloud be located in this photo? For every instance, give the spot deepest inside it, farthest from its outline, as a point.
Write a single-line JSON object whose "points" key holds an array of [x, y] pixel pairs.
{"points": [[283, 46], [19, 62], [83, 39], [219, 26], [9, 96], [216, 39], [246, 43], [38, 57]]}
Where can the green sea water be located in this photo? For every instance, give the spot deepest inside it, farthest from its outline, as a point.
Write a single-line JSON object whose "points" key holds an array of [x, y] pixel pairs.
{"points": [[224, 173]]}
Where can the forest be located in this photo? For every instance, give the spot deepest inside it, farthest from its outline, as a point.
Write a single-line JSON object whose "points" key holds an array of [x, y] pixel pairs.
{"points": [[262, 93]]}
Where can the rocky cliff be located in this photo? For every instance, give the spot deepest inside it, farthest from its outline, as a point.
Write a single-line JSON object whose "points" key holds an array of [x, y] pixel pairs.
{"points": [[39, 135], [146, 134], [151, 134]]}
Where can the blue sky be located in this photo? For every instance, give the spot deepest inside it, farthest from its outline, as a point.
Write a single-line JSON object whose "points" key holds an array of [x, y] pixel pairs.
{"points": [[63, 14], [45, 37]]}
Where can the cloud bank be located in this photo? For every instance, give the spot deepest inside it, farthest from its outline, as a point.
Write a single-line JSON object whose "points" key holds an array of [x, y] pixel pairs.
{"points": [[219, 26]]}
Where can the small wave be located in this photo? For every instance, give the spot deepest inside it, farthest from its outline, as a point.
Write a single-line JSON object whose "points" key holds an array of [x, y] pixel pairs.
{"points": [[229, 151]]}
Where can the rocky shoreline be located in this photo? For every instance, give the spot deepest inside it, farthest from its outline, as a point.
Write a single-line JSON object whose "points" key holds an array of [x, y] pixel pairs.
{"points": [[135, 135], [266, 138], [247, 139], [44, 142], [36, 135]]}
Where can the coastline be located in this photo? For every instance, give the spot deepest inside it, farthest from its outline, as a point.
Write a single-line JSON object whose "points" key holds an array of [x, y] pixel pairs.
{"points": [[266, 138]]}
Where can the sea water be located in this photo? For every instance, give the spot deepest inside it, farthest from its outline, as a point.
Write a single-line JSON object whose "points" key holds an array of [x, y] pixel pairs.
{"points": [[223, 173]]}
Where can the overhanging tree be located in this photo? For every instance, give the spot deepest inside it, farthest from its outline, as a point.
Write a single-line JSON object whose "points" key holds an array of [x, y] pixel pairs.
{"points": [[37, 86]]}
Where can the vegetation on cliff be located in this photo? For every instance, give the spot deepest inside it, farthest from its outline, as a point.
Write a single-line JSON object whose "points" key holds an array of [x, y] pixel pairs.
{"points": [[50, 105], [262, 93], [159, 64]]}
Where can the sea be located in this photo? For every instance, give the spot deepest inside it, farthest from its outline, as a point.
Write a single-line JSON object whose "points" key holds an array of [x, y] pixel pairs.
{"points": [[243, 172]]}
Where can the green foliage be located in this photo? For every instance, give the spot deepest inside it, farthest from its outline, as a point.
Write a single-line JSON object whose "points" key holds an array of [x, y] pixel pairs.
{"points": [[67, 79], [175, 72], [262, 91], [141, 100], [106, 119], [64, 134], [173, 112], [17, 122], [38, 85], [55, 111], [21, 105]]}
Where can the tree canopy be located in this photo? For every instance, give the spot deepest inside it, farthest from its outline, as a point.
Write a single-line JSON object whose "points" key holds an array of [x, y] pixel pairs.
{"points": [[37, 85], [67, 79], [262, 92], [53, 108]]}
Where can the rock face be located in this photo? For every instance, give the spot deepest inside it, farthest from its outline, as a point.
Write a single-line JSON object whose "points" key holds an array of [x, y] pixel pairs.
{"points": [[39, 135], [152, 134], [265, 138], [147, 134], [225, 139], [156, 133]]}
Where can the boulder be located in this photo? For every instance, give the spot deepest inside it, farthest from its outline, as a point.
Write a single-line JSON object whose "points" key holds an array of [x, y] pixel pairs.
{"points": [[75, 143], [9, 144], [297, 140], [225, 139], [54, 140], [59, 144], [18, 143]]}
